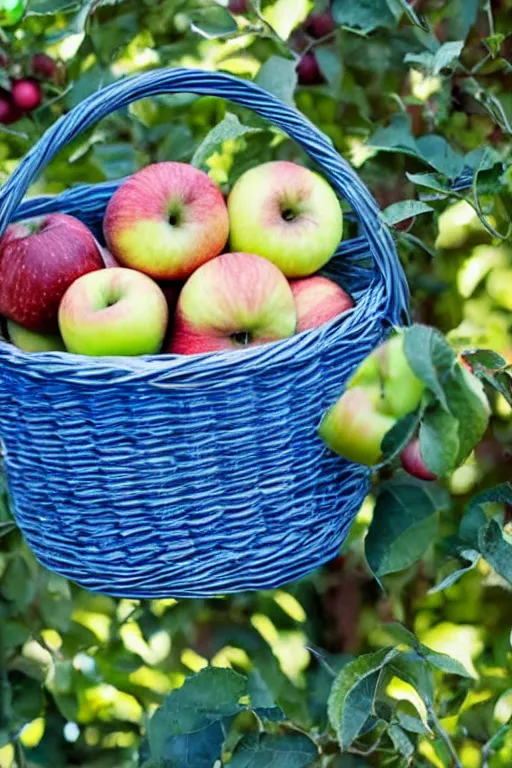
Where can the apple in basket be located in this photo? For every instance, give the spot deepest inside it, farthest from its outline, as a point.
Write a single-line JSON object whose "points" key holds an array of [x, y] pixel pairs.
{"points": [[166, 220], [30, 341], [287, 214], [318, 300], [234, 301], [113, 312], [39, 260]]}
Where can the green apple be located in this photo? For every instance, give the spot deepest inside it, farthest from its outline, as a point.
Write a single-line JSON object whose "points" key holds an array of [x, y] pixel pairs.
{"points": [[30, 341], [499, 287], [457, 224], [354, 429], [113, 312], [402, 390], [287, 214]]}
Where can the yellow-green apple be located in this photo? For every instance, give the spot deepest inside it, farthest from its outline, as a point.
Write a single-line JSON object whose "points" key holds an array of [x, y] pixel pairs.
{"points": [[402, 390], [287, 214], [38, 261], [113, 312], [354, 428], [318, 300], [413, 463], [234, 301], [459, 223], [166, 220], [30, 341]]}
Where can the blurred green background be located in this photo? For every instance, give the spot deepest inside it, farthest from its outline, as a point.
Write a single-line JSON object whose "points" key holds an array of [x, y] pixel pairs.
{"points": [[411, 94]]}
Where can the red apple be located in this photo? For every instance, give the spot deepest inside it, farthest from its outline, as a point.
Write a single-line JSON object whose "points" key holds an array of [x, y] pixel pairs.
{"points": [[413, 463], [318, 300], [320, 24], [9, 112], [44, 66], [26, 94], [238, 6], [308, 71], [38, 261], [235, 300], [166, 221]]}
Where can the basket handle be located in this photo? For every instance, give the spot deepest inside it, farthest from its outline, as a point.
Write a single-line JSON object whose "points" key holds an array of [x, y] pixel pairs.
{"points": [[123, 92]]}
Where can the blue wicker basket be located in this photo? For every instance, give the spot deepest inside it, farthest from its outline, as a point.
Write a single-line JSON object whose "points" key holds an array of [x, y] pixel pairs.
{"points": [[170, 476]]}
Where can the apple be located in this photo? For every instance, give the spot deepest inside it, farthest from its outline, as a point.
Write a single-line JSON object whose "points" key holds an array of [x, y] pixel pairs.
{"points": [[113, 312], [354, 428], [26, 94], [38, 261], [459, 223], [320, 24], [166, 220], [402, 390], [308, 70], [318, 300], [234, 301], [9, 112], [287, 214], [44, 66], [413, 463], [30, 341], [238, 6]]}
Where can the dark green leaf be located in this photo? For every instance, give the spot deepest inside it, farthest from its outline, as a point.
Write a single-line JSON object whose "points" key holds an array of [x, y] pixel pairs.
{"points": [[403, 210], [401, 634], [213, 21], [189, 725], [409, 719], [410, 667], [115, 160], [261, 698], [365, 15], [330, 64], [278, 76], [285, 750], [430, 357], [496, 549], [404, 524], [430, 181], [399, 436], [47, 7], [396, 137], [436, 151], [229, 128], [443, 662], [468, 404], [439, 440], [468, 559], [485, 358], [353, 692], [401, 741]]}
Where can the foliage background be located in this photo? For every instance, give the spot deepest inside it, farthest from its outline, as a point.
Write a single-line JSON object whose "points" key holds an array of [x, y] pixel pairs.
{"points": [[81, 673]]}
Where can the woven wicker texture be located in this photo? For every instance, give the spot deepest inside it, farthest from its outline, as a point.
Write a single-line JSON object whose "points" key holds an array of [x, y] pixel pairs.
{"points": [[191, 476]]}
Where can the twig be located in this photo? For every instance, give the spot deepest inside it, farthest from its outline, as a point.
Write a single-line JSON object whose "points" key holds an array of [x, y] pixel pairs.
{"points": [[19, 755], [438, 728], [490, 746]]}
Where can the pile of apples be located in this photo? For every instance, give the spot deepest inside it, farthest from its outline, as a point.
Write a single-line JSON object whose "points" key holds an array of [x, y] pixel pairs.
{"points": [[185, 271]]}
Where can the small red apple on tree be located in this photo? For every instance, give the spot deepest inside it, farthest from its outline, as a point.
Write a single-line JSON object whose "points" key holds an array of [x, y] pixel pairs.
{"points": [[26, 94], [308, 71], [413, 463], [44, 66]]}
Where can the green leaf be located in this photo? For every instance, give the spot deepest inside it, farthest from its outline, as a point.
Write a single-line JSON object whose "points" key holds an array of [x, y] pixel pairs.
{"points": [[439, 440], [401, 634], [353, 692], [401, 741], [261, 698], [430, 357], [365, 15], [212, 22], [468, 404], [447, 55], [403, 525], [430, 181], [496, 549], [49, 7], [17, 583], [468, 558], [284, 750], [436, 151], [443, 662], [396, 137], [399, 436], [278, 76], [409, 719], [230, 127], [331, 65], [188, 729], [485, 358], [403, 210], [115, 160], [410, 667], [285, 15]]}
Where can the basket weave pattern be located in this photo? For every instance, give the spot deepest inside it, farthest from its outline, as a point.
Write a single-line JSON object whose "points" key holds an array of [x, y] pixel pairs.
{"points": [[190, 476]]}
